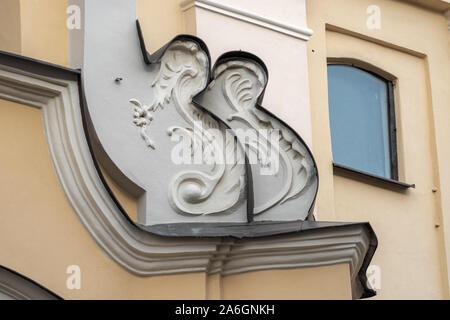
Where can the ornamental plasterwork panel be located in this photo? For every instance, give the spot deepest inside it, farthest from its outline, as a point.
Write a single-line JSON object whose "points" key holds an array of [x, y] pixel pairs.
{"points": [[233, 209], [14, 286], [192, 141]]}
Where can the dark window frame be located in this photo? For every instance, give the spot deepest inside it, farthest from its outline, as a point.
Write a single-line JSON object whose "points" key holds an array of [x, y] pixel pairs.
{"points": [[389, 79], [392, 120]]}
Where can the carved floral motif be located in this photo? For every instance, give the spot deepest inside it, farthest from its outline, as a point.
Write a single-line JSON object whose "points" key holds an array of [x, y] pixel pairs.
{"points": [[182, 74], [217, 187], [142, 119]]}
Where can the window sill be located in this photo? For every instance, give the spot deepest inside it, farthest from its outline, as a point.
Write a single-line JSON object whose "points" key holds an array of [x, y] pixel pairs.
{"points": [[368, 177]]}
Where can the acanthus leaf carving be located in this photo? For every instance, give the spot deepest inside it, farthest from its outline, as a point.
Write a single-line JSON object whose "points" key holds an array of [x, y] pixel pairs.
{"points": [[142, 119], [183, 73], [243, 81]]}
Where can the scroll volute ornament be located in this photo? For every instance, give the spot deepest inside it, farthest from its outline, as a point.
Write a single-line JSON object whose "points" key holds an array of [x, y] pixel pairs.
{"points": [[283, 172], [278, 164], [172, 98], [264, 162], [211, 185]]}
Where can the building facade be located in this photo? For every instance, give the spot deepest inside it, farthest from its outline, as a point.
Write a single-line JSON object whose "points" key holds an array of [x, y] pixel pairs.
{"points": [[386, 166]]}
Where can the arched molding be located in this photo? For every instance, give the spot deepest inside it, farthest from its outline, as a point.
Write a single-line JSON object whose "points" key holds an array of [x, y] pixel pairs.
{"points": [[14, 286]]}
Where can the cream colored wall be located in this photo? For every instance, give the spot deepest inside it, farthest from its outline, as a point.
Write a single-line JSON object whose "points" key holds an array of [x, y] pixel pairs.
{"points": [[398, 248], [330, 282], [10, 29], [44, 30], [161, 20], [413, 249], [35, 28]]}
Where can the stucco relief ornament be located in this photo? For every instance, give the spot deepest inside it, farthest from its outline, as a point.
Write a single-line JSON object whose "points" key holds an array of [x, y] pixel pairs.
{"points": [[231, 101], [238, 82], [142, 119], [243, 81], [209, 110], [182, 73]]}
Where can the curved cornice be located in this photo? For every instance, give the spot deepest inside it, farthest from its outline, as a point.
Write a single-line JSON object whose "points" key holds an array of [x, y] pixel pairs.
{"points": [[55, 91], [17, 287], [299, 32]]}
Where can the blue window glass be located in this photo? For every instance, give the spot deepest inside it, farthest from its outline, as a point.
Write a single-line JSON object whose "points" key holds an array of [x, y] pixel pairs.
{"points": [[359, 120]]}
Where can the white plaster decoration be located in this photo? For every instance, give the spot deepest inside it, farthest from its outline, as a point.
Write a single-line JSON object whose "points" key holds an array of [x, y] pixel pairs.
{"points": [[182, 63], [142, 119], [182, 73], [139, 251], [237, 88], [243, 82], [250, 17]]}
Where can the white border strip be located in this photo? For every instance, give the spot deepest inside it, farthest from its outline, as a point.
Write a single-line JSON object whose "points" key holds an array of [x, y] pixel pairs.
{"points": [[250, 17]]}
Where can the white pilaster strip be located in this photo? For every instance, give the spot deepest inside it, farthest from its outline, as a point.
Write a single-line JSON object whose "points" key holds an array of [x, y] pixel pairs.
{"points": [[302, 33]]}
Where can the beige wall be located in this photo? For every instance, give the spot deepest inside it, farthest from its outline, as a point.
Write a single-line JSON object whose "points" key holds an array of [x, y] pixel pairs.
{"points": [[161, 20], [331, 282], [356, 201], [409, 225], [44, 30], [10, 29], [35, 28]]}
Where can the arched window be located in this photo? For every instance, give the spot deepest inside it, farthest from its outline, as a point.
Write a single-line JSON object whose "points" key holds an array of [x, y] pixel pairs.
{"points": [[362, 121]]}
